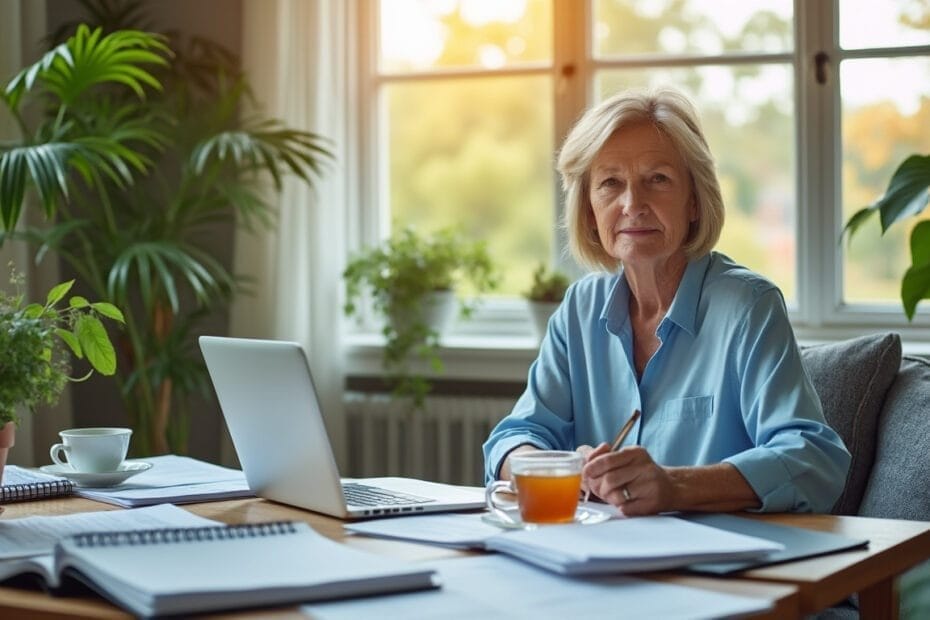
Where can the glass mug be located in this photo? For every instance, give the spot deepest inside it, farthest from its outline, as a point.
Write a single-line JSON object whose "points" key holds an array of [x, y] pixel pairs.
{"points": [[547, 484]]}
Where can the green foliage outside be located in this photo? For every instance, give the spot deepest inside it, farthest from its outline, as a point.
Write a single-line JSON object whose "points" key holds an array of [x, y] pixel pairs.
{"points": [[399, 276], [35, 339], [135, 147]]}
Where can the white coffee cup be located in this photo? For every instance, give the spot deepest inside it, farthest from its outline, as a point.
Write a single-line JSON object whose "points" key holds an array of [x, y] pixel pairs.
{"points": [[92, 450]]}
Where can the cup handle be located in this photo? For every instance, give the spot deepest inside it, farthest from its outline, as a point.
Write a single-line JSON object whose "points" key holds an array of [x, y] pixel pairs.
{"points": [[491, 503], [53, 452]]}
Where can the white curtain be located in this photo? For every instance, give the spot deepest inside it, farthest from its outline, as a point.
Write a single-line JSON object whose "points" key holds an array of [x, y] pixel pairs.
{"points": [[22, 26], [294, 54]]}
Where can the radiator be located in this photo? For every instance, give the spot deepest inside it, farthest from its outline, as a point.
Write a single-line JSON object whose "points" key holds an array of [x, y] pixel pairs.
{"points": [[441, 442]]}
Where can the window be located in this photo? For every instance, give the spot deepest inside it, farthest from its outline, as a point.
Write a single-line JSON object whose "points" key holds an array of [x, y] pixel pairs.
{"points": [[463, 125], [808, 106], [885, 116]]}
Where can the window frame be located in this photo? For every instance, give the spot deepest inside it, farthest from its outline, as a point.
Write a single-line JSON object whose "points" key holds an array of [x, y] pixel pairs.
{"points": [[503, 324]]}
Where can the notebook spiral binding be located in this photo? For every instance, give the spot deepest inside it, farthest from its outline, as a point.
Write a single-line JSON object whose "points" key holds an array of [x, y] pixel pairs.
{"points": [[182, 535], [35, 490]]}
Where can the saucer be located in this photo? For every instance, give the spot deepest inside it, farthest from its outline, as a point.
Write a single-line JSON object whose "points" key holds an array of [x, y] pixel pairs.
{"points": [[583, 516], [126, 470]]}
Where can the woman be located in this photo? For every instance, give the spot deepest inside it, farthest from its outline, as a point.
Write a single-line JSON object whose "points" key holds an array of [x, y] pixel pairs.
{"points": [[699, 345]]}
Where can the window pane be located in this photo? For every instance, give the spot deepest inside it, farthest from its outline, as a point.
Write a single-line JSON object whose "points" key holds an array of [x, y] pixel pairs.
{"points": [[884, 23], [477, 153], [419, 35], [624, 27], [886, 112], [748, 116]]}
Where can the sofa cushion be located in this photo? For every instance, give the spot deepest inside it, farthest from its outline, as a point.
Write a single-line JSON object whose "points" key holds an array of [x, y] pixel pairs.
{"points": [[898, 487], [852, 378]]}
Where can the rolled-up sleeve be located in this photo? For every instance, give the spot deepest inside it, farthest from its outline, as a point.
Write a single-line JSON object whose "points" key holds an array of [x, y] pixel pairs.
{"points": [[798, 463]]}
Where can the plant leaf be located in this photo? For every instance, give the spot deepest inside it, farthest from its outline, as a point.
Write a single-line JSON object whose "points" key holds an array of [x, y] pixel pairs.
{"points": [[858, 218], [58, 292], [915, 285], [920, 244], [108, 310], [78, 302], [907, 191], [33, 311], [96, 344], [71, 340]]}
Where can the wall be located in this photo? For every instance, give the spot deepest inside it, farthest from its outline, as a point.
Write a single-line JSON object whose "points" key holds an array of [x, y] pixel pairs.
{"points": [[96, 402]]}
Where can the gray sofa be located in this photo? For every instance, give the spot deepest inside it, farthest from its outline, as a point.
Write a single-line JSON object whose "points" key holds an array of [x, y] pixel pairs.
{"points": [[879, 403]]}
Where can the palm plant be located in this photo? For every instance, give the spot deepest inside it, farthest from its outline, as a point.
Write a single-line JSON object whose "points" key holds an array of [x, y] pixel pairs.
{"points": [[138, 155]]}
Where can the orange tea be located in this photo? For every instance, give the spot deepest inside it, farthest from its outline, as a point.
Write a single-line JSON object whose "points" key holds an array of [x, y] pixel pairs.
{"points": [[547, 496]]}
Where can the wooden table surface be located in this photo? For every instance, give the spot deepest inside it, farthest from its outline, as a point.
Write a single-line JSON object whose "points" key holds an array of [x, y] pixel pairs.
{"points": [[17, 603], [796, 588], [894, 547]]}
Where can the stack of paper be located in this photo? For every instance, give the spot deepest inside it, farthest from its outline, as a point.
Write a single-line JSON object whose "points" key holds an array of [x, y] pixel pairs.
{"points": [[172, 479], [615, 546]]}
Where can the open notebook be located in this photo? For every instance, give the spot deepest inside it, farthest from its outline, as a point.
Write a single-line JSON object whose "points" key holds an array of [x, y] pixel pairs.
{"points": [[186, 570]]}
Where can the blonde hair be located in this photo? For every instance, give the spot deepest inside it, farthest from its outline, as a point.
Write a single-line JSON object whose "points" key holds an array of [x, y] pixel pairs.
{"points": [[675, 116]]}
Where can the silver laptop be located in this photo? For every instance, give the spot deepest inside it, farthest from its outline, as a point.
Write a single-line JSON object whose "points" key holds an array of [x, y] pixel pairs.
{"points": [[273, 415]]}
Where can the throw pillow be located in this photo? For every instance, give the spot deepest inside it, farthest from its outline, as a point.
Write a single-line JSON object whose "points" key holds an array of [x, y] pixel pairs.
{"points": [[898, 488], [852, 378]]}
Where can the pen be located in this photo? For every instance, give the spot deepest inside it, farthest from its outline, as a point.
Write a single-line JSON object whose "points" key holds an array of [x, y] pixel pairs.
{"points": [[618, 440]]}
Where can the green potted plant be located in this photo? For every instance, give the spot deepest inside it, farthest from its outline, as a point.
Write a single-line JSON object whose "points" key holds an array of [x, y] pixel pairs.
{"points": [[411, 280], [35, 339], [906, 197], [142, 155], [544, 296]]}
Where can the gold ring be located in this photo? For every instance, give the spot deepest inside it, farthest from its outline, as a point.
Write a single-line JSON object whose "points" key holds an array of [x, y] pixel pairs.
{"points": [[626, 495]]}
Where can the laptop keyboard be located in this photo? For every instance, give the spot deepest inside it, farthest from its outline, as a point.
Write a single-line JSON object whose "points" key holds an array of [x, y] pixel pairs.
{"points": [[364, 495]]}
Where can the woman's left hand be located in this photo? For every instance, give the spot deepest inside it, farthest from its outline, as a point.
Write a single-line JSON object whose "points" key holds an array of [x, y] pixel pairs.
{"points": [[630, 480]]}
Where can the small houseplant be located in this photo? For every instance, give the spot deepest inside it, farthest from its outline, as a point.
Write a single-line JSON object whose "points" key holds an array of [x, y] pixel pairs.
{"points": [[35, 339], [545, 295], [906, 197], [411, 280]]}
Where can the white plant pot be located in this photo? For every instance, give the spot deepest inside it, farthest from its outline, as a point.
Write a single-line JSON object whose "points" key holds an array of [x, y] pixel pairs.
{"points": [[439, 311], [540, 311], [436, 312]]}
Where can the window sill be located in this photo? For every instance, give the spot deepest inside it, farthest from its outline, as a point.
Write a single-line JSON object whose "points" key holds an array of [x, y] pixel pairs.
{"points": [[470, 357], [506, 359]]}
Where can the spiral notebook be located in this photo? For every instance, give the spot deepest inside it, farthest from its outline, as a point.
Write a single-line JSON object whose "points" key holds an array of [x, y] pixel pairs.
{"points": [[189, 570], [20, 485]]}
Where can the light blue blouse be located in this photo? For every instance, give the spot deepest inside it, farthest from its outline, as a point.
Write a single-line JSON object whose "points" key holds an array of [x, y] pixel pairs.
{"points": [[725, 385]]}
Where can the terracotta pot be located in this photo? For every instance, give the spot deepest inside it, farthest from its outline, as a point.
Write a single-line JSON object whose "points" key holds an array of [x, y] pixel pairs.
{"points": [[7, 439]]}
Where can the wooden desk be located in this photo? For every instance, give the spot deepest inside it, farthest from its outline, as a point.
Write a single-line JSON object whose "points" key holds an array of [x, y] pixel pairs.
{"points": [[796, 588], [894, 547]]}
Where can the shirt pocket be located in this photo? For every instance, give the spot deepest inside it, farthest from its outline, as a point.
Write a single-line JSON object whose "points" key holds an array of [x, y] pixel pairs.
{"points": [[693, 410]]}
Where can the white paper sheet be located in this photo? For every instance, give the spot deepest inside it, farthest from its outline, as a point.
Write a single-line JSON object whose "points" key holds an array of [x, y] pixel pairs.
{"points": [[173, 479], [37, 535], [498, 587], [449, 530], [628, 545], [13, 474]]}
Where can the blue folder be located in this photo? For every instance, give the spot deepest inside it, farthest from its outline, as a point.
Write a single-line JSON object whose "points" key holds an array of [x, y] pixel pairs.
{"points": [[799, 543]]}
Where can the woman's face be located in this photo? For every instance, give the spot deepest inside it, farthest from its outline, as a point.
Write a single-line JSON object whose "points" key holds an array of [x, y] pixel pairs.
{"points": [[641, 197]]}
